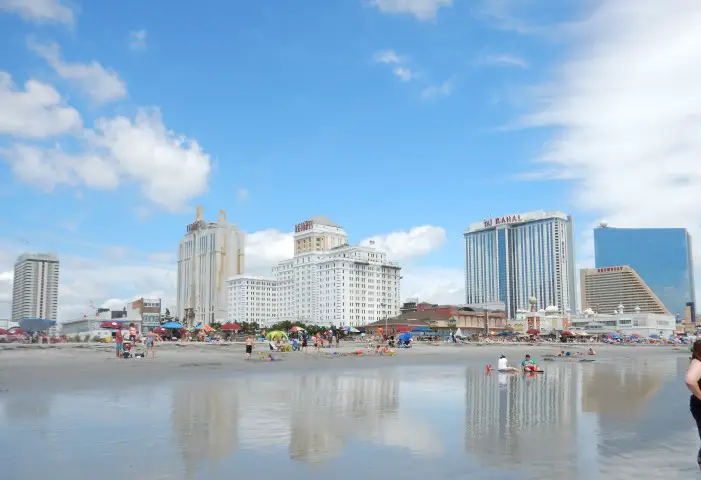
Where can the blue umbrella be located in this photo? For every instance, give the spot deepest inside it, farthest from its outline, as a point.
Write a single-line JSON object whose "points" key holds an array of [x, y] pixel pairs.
{"points": [[172, 325], [405, 337], [422, 329]]}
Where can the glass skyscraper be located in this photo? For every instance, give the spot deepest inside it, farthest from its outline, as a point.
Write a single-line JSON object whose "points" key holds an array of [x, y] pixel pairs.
{"points": [[661, 256], [510, 259]]}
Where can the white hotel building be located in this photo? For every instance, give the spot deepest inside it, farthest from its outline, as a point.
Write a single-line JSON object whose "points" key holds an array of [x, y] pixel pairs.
{"points": [[327, 282], [210, 253], [512, 258]]}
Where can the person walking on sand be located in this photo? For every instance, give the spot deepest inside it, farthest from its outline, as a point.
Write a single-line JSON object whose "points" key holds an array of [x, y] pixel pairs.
{"points": [[249, 347], [119, 342], [305, 339], [150, 343], [693, 383]]}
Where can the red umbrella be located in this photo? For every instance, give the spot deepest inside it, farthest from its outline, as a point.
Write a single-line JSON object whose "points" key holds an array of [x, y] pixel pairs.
{"points": [[15, 331], [567, 333], [3, 331], [160, 330], [112, 324], [231, 326], [533, 331], [296, 329]]}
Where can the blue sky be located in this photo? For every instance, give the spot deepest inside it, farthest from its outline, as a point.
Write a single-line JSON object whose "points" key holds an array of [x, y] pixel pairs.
{"points": [[401, 120]]}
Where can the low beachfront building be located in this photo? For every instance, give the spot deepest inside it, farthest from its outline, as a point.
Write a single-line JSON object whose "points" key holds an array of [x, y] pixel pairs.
{"points": [[635, 323]]}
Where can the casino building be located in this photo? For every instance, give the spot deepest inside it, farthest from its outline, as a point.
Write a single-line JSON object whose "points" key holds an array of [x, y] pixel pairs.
{"points": [[513, 258]]}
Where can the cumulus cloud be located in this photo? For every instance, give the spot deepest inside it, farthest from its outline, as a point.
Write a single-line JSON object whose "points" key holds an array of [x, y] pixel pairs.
{"points": [[434, 284], [421, 9], [36, 112], [39, 10], [415, 242], [98, 83], [169, 168], [266, 248], [627, 109]]}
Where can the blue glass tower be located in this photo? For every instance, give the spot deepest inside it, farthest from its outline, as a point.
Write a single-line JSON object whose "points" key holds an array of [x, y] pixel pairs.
{"points": [[661, 256]]}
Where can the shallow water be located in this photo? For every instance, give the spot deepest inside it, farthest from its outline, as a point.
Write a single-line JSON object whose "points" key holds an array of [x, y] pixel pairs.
{"points": [[610, 419]]}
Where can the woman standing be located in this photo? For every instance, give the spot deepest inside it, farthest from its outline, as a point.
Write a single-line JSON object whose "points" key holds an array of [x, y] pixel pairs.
{"points": [[150, 342], [693, 383]]}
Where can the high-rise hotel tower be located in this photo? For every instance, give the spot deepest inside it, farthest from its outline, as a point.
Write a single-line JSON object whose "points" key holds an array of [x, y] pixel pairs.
{"points": [[512, 258]]}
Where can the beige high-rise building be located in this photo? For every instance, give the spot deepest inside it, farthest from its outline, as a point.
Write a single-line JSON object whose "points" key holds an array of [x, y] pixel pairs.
{"points": [[319, 234], [604, 290]]}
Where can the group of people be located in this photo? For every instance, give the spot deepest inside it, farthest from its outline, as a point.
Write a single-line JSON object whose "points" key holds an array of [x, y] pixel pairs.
{"points": [[133, 337], [528, 365]]}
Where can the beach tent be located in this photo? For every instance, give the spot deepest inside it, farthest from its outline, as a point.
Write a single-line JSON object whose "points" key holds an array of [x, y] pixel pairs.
{"points": [[174, 325], [276, 334]]}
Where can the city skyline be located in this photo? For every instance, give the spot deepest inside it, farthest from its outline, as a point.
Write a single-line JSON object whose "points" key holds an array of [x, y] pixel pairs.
{"points": [[103, 156]]}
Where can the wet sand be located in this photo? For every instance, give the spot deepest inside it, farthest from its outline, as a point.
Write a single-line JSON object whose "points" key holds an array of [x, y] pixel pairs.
{"points": [[88, 366]]}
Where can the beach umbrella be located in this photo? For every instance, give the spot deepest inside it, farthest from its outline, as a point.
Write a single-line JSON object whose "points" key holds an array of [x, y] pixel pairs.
{"points": [[231, 326], [351, 330], [3, 331], [171, 325], [405, 337], [160, 330], [533, 331], [422, 329], [567, 333], [111, 324], [276, 334], [208, 328], [296, 329], [15, 331]]}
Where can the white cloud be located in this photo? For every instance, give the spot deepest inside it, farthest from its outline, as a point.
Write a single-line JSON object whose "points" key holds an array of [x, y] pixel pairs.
{"points": [[169, 168], [99, 84], [436, 91], [387, 56], [504, 60], [403, 73], [421, 9], [390, 57], [39, 10], [627, 109], [265, 248], [36, 112], [137, 40], [434, 284], [415, 242]]}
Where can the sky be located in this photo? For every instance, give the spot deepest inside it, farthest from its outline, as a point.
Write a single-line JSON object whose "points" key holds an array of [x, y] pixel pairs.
{"points": [[402, 120]]}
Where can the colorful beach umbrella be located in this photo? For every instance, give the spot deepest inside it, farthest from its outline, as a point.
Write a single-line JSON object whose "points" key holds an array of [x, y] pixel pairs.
{"points": [[231, 326]]}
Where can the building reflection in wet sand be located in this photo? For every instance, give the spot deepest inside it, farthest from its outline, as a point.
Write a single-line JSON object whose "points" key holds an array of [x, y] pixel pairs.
{"points": [[312, 416], [512, 419]]}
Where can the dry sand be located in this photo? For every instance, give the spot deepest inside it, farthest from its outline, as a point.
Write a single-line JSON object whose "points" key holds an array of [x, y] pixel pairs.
{"points": [[27, 368]]}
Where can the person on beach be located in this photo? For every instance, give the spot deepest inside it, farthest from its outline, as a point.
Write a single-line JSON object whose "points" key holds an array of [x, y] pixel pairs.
{"points": [[317, 342], [503, 365], [249, 347], [693, 383], [132, 333], [119, 342], [305, 339], [529, 365], [150, 341]]}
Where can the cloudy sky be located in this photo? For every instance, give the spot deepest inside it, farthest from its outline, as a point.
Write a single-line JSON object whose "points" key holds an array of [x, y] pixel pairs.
{"points": [[402, 120]]}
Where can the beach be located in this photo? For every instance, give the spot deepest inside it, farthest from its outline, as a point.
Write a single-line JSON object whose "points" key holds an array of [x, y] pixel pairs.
{"points": [[84, 366]]}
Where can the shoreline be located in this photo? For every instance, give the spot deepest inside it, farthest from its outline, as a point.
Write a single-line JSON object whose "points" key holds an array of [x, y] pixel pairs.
{"points": [[84, 367]]}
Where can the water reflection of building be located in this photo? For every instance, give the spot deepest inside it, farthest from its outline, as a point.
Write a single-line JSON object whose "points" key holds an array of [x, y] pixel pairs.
{"points": [[326, 409], [607, 390], [205, 420], [520, 417]]}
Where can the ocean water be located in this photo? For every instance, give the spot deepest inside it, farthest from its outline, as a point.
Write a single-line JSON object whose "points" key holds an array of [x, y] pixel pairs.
{"points": [[614, 419]]}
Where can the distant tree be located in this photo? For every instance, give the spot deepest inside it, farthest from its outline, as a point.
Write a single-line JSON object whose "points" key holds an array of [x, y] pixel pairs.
{"points": [[215, 325], [285, 326]]}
